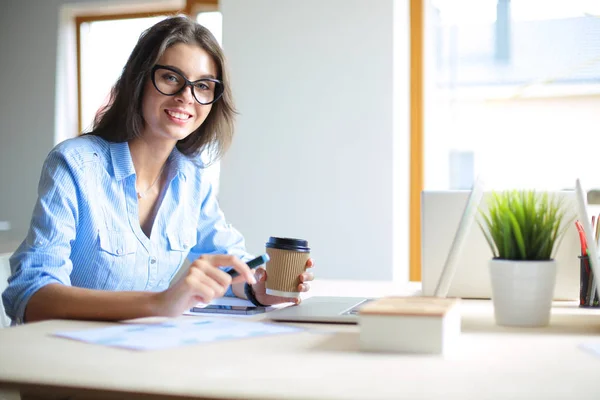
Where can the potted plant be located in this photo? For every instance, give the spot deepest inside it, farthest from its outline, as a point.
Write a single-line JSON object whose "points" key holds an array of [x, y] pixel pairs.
{"points": [[524, 229]]}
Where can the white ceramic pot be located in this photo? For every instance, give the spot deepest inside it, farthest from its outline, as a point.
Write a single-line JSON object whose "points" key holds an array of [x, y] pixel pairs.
{"points": [[522, 291]]}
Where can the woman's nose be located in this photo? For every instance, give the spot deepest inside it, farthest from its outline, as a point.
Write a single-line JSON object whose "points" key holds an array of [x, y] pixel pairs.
{"points": [[186, 95]]}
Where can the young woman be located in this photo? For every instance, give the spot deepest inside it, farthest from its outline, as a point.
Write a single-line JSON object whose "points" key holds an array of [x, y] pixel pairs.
{"points": [[120, 208]]}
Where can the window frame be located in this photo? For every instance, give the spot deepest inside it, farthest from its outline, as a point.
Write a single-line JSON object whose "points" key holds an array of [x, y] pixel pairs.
{"points": [[194, 7], [416, 137]]}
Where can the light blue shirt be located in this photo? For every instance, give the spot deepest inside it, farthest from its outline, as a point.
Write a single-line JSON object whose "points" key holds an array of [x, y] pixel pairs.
{"points": [[85, 229]]}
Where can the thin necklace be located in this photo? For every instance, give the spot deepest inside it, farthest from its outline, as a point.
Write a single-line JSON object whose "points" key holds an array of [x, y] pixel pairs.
{"points": [[143, 194]]}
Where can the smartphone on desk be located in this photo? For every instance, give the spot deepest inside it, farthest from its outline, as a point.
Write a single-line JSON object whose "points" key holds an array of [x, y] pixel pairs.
{"points": [[221, 309]]}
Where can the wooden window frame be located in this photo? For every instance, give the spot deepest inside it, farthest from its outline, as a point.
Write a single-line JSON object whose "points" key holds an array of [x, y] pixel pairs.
{"points": [[193, 7], [416, 136]]}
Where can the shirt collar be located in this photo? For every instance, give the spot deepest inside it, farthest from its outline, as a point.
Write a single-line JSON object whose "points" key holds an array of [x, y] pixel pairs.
{"points": [[121, 160], [123, 164], [178, 163]]}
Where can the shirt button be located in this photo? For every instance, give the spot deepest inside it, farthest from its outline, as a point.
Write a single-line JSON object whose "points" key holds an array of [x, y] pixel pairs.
{"points": [[153, 260], [119, 251], [185, 246]]}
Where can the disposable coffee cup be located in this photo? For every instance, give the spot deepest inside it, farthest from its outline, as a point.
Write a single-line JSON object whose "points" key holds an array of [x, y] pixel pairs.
{"points": [[287, 262]]}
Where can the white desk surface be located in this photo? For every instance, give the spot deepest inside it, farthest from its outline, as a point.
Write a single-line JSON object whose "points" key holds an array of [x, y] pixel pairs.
{"points": [[491, 363]]}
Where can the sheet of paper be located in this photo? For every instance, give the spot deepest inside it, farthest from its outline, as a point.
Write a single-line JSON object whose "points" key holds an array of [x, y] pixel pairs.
{"points": [[174, 333], [592, 347]]}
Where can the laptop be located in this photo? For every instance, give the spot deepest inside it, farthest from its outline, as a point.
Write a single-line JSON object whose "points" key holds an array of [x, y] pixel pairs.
{"points": [[331, 309], [441, 212]]}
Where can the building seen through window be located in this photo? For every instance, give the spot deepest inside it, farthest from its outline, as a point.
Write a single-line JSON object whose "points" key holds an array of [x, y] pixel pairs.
{"points": [[512, 92]]}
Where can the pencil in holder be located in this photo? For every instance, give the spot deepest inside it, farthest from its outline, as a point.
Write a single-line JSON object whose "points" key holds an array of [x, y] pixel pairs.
{"points": [[588, 293]]}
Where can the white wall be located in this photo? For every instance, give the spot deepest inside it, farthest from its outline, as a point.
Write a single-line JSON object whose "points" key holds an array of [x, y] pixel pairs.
{"points": [[28, 53], [313, 156]]}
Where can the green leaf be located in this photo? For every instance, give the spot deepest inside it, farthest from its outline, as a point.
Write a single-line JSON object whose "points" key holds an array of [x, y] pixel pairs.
{"points": [[524, 224], [518, 236], [488, 237]]}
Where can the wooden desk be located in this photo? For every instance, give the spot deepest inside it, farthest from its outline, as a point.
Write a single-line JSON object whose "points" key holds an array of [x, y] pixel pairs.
{"points": [[325, 363]]}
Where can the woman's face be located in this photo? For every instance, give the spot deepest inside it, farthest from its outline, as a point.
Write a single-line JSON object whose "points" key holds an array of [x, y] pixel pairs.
{"points": [[174, 117]]}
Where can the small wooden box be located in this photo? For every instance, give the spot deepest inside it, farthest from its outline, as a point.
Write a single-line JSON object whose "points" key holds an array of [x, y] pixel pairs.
{"points": [[410, 325]]}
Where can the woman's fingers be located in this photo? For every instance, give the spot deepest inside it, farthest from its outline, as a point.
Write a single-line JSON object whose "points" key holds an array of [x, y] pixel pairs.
{"points": [[221, 277], [260, 274], [222, 260], [307, 277], [203, 282], [303, 287], [196, 284], [203, 275], [204, 292]]}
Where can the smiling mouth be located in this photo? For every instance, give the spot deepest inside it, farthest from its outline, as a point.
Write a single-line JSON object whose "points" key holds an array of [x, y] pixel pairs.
{"points": [[178, 115]]}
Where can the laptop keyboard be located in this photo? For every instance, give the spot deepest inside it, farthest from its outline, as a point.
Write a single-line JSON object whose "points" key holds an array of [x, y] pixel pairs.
{"points": [[354, 310]]}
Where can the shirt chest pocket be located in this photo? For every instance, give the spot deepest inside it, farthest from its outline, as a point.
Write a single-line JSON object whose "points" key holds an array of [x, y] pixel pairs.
{"points": [[180, 241], [118, 244], [116, 261]]}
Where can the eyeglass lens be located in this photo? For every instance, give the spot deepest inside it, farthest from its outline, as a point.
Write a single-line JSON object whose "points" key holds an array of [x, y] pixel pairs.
{"points": [[169, 83]]}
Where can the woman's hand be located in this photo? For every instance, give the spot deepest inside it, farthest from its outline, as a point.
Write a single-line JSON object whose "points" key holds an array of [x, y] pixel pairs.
{"points": [[203, 282], [269, 300]]}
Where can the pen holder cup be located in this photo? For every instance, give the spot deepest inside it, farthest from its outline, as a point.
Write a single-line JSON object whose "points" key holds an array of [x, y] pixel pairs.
{"points": [[587, 284]]}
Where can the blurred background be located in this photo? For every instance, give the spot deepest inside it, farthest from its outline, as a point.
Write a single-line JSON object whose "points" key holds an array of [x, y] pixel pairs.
{"points": [[348, 108]]}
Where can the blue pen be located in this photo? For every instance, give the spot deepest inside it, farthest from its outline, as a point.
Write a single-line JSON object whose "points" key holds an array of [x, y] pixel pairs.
{"points": [[260, 260]]}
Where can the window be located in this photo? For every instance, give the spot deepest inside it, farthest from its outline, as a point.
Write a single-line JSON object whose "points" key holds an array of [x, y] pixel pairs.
{"points": [[99, 73], [512, 93], [213, 20]]}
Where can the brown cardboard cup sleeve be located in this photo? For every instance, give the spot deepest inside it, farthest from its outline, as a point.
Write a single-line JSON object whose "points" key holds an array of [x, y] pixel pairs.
{"points": [[287, 262]]}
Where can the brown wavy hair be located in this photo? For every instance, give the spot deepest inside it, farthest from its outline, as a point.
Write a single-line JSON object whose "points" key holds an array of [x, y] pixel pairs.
{"points": [[121, 119]]}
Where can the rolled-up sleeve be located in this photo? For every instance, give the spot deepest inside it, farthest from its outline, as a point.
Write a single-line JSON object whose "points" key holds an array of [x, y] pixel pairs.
{"points": [[44, 256]]}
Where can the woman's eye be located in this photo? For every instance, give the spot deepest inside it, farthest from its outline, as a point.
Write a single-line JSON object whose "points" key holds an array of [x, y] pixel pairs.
{"points": [[202, 86], [171, 78]]}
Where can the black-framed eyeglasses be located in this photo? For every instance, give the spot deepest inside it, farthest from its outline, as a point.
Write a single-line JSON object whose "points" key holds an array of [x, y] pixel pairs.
{"points": [[169, 81]]}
